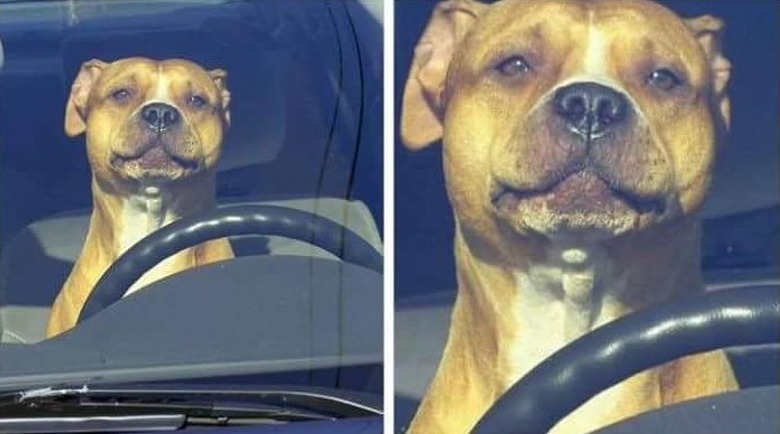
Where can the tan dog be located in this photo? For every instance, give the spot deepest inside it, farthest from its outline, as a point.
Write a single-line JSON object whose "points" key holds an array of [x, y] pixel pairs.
{"points": [[154, 133], [578, 140]]}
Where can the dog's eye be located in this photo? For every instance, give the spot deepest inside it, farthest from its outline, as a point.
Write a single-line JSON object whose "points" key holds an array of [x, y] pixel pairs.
{"points": [[197, 101], [513, 66], [664, 79], [121, 94]]}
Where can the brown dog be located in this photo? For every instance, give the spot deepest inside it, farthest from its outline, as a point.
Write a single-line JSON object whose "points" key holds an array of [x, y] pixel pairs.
{"points": [[578, 140], [154, 134]]}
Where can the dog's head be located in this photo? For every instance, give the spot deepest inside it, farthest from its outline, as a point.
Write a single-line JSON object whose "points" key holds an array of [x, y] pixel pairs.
{"points": [[147, 120], [569, 118]]}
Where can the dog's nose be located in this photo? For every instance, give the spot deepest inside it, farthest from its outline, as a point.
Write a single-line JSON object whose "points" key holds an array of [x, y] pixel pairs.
{"points": [[590, 109], [159, 116]]}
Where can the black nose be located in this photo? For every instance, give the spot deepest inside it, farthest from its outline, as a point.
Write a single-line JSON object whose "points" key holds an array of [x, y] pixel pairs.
{"points": [[159, 116], [590, 109]]}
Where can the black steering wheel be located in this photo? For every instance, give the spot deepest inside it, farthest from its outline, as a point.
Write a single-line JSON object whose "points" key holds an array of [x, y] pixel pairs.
{"points": [[614, 352], [223, 222]]}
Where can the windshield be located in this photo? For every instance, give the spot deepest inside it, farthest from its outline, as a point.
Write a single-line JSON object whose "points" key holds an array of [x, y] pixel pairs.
{"points": [[118, 118]]}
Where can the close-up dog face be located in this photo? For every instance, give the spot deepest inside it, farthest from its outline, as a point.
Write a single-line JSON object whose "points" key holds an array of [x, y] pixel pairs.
{"points": [[149, 120], [564, 128]]}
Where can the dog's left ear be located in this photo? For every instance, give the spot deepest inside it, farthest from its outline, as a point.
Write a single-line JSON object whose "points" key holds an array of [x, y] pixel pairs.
{"points": [[219, 76], [709, 32], [421, 108]]}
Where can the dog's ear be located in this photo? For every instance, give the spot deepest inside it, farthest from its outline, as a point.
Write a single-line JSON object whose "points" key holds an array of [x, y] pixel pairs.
{"points": [[219, 76], [421, 109], [709, 32], [76, 108]]}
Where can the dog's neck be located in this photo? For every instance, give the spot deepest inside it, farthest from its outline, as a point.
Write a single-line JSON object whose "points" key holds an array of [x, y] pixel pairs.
{"points": [[125, 216], [144, 212], [570, 284], [514, 317]]}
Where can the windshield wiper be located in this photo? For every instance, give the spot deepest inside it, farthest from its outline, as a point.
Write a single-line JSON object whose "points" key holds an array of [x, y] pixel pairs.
{"points": [[64, 409]]}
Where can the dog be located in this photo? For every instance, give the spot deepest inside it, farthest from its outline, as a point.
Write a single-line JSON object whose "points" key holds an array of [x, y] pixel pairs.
{"points": [[578, 143], [154, 133]]}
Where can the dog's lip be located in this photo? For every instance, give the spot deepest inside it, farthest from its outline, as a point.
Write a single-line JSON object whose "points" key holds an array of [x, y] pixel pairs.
{"points": [[505, 195], [184, 163]]}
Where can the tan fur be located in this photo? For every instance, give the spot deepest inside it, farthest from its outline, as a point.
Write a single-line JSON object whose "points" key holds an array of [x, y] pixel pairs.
{"points": [[131, 200], [517, 263]]}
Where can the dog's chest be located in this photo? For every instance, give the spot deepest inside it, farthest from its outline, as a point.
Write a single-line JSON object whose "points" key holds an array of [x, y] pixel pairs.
{"points": [[141, 215], [560, 300]]}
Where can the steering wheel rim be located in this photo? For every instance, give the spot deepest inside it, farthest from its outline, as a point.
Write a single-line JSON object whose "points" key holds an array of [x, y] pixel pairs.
{"points": [[616, 351], [219, 223]]}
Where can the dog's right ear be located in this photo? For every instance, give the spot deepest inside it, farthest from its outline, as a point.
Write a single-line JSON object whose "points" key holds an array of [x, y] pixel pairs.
{"points": [[76, 108], [421, 108]]}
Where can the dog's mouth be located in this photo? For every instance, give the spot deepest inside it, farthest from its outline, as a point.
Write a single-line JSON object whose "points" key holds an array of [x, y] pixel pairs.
{"points": [[154, 162], [581, 191]]}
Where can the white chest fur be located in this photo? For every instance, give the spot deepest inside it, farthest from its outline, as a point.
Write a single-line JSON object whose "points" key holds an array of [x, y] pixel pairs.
{"points": [[559, 300], [142, 214], [570, 294]]}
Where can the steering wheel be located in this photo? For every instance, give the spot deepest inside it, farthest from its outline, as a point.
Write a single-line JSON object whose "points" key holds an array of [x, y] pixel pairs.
{"points": [[223, 222], [614, 352]]}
